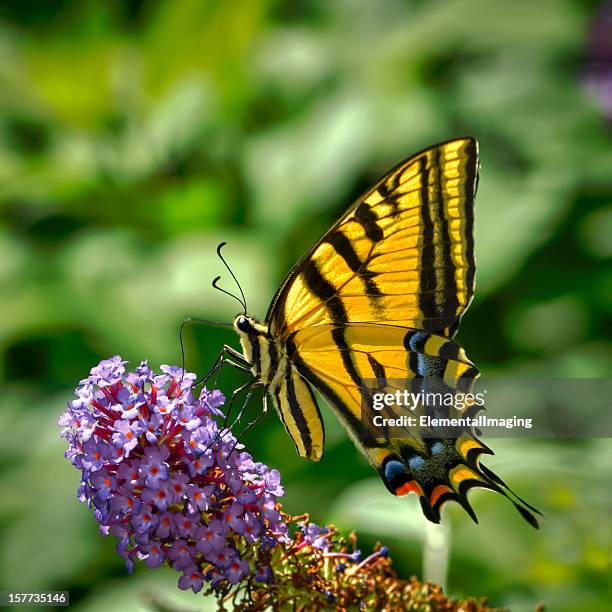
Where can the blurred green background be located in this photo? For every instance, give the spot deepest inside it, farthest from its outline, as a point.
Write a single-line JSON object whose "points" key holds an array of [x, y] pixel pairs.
{"points": [[135, 136]]}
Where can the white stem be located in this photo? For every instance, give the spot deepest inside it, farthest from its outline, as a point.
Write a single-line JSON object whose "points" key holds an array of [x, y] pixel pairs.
{"points": [[436, 552]]}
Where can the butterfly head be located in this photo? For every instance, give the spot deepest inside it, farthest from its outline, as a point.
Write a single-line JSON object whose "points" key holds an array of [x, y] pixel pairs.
{"points": [[243, 324]]}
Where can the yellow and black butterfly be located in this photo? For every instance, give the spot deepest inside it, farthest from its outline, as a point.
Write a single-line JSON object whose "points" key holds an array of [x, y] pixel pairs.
{"points": [[380, 297]]}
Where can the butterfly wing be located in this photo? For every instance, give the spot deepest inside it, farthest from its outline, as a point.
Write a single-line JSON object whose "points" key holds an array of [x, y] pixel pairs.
{"points": [[401, 258], [298, 410], [346, 363], [402, 254]]}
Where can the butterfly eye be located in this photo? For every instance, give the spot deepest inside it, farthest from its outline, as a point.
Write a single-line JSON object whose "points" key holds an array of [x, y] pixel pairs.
{"points": [[242, 323]]}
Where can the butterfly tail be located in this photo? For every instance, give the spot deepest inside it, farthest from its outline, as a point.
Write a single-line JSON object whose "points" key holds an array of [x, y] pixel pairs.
{"points": [[447, 472]]}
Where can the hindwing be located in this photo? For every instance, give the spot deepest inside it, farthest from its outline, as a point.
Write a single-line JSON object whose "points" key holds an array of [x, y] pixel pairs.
{"points": [[298, 410], [345, 363]]}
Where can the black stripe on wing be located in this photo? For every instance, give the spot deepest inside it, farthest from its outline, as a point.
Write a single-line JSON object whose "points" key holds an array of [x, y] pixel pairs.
{"points": [[427, 281], [296, 411], [343, 246], [324, 290], [449, 284], [471, 185], [369, 221]]}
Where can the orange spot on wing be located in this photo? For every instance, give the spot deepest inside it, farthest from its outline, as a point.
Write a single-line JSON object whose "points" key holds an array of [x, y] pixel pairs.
{"points": [[437, 493], [412, 486]]}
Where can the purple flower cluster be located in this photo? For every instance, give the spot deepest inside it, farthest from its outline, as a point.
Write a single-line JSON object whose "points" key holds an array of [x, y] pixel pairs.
{"points": [[599, 57], [164, 479]]}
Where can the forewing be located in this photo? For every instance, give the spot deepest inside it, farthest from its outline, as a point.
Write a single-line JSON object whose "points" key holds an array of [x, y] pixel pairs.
{"points": [[402, 254]]}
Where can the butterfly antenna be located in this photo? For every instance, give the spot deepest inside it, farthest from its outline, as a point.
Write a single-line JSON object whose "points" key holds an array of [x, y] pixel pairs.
{"points": [[205, 322], [243, 301], [216, 286]]}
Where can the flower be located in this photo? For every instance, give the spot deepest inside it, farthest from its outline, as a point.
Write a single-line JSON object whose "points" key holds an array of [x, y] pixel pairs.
{"points": [[599, 58], [165, 481], [174, 489], [315, 536]]}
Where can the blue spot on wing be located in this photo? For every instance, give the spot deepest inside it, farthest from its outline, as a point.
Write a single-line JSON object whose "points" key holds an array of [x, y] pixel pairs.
{"points": [[416, 463], [437, 447], [395, 474]]}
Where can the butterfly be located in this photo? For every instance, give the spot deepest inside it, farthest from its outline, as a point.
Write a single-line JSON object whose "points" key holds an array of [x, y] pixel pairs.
{"points": [[379, 297]]}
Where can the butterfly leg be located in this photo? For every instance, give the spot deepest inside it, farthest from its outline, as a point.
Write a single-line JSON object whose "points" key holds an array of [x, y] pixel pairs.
{"points": [[223, 427], [245, 403], [227, 356], [256, 420], [264, 411], [235, 393]]}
